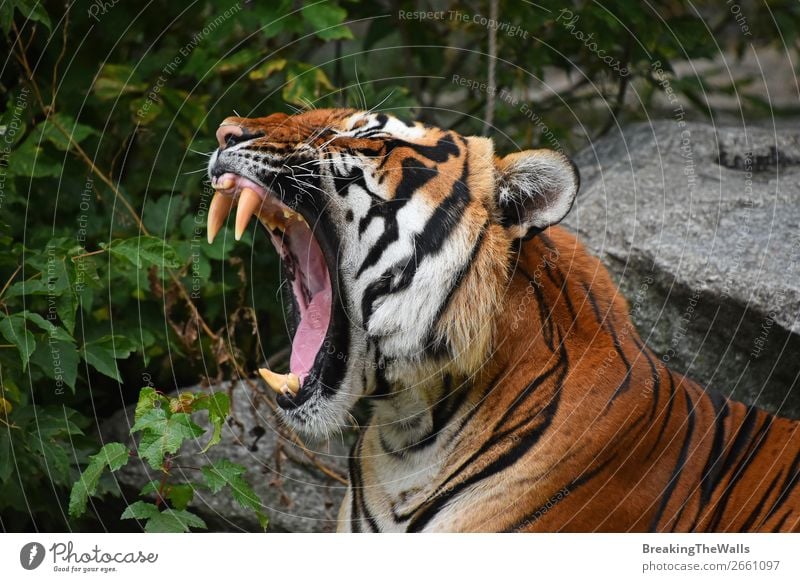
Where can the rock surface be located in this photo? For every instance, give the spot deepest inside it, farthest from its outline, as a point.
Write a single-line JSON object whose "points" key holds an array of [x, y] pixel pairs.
{"points": [[297, 496], [700, 226]]}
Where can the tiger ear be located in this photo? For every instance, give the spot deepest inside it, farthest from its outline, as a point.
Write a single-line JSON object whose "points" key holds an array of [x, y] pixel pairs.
{"points": [[535, 189]]}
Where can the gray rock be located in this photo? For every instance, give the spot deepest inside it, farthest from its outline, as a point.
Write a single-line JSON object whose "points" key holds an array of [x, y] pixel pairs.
{"points": [[297, 496], [699, 227]]}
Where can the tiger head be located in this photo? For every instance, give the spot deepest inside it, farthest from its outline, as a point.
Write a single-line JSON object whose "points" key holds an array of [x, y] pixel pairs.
{"points": [[397, 240]]}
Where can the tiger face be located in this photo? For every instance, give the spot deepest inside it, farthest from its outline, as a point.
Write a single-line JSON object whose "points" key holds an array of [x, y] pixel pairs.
{"points": [[396, 238]]}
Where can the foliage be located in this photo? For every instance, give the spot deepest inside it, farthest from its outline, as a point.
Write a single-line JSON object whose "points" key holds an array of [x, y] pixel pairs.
{"points": [[165, 424], [106, 282]]}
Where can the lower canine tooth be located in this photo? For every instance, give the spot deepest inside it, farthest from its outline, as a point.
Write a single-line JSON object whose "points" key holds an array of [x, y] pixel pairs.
{"points": [[249, 201], [281, 383], [218, 211]]}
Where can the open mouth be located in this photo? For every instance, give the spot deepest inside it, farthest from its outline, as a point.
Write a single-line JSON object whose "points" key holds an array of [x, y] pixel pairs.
{"points": [[304, 264]]}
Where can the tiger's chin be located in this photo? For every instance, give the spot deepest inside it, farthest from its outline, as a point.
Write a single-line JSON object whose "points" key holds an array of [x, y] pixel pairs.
{"points": [[310, 395]]}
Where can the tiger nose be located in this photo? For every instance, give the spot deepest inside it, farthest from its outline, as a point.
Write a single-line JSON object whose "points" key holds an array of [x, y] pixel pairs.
{"points": [[228, 133]]}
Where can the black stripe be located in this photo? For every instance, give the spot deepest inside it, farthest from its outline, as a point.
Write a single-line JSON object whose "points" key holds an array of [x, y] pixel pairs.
{"points": [[779, 526], [625, 384], [595, 307], [414, 176], [665, 422], [791, 481], [678, 469], [439, 227], [741, 469], [712, 470], [548, 329], [521, 446], [438, 153], [743, 436], [655, 377], [373, 525], [342, 183], [442, 413], [355, 487], [463, 423], [740, 441], [498, 436], [465, 420], [756, 512], [382, 387], [431, 346], [564, 288], [584, 477]]}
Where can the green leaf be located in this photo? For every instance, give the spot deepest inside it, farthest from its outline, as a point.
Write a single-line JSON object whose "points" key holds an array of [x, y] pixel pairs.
{"points": [[32, 287], [161, 216], [144, 250], [6, 16], [31, 161], [102, 354], [53, 331], [180, 495], [151, 487], [53, 459], [67, 308], [265, 71], [149, 399], [112, 456], [58, 360], [326, 18], [54, 421], [140, 510], [162, 436], [15, 330], [116, 80], [73, 132], [273, 17], [173, 521], [152, 419], [218, 475], [240, 59], [33, 10], [219, 406], [305, 84]]}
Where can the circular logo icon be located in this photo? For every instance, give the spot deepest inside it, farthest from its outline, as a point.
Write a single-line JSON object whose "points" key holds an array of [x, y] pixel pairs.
{"points": [[31, 555]]}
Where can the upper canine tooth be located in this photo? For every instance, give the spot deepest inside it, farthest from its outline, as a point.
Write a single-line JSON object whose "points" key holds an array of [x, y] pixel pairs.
{"points": [[224, 184], [249, 201], [218, 211]]}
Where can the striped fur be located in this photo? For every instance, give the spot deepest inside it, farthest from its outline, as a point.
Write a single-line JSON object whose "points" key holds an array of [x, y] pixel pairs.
{"points": [[509, 389]]}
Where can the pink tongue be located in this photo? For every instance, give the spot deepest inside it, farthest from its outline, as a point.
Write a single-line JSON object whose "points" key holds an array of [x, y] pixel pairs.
{"points": [[310, 333]]}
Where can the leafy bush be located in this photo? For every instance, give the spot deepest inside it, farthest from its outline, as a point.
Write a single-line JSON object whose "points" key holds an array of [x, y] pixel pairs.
{"points": [[165, 423], [106, 283]]}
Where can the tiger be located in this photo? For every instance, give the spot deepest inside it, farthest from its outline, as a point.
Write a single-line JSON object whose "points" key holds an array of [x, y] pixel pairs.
{"points": [[508, 388]]}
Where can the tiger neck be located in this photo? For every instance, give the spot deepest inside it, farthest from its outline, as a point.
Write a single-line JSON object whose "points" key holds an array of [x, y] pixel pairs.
{"points": [[417, 418], [560, 310]]}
